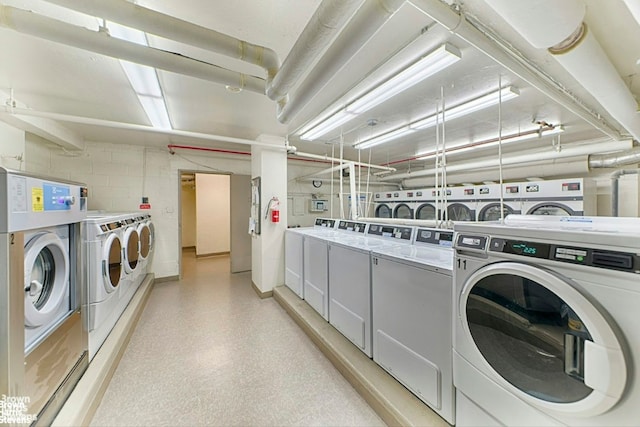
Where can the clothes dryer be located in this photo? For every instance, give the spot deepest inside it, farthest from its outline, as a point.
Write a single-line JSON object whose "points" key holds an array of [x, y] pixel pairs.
{"points": [[412, 303], [425, 205], [461, 204], [561, 197], [103, 276], [43, 345], [488, 196], [545, 322], [382, 205]]}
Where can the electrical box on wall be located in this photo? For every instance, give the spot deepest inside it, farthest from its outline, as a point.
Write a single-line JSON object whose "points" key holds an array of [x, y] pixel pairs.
{"points": [[318, 206]]}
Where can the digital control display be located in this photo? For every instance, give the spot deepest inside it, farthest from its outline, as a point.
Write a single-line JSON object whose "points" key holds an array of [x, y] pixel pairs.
{"points": [[570, 186], [352, 226], [484, 190], [56, 197], [533, 188], [403, 233], [512, 189], [435, 237], [468, 191]]}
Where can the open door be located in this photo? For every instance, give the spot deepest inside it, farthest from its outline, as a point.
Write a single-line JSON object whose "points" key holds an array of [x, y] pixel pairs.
{"points": [[240, 212]]}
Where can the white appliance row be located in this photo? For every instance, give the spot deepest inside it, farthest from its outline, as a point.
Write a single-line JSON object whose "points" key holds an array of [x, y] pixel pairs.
{"points": [[388, 290], [573, 197], [117, 247]]}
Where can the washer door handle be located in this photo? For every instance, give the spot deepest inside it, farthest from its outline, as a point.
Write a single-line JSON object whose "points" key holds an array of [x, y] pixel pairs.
{"points": [[34, 288]]}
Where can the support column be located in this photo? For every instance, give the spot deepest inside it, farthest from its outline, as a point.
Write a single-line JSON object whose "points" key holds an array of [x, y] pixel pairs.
{"points": [[267, 248]]}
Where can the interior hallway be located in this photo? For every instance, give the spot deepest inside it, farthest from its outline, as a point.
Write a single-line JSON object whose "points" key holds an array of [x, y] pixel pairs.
{"points": [[208, 351]]}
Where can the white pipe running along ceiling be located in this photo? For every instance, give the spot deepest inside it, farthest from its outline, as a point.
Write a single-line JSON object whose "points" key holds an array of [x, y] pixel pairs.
{"points": [[557, 26], [567, 151], [153, 22], [100, 42]]}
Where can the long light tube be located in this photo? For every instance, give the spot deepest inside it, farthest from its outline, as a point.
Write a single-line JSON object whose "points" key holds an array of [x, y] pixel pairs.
{"points": [[143, 79], [469, 107], [523, 136], [427, 66]]}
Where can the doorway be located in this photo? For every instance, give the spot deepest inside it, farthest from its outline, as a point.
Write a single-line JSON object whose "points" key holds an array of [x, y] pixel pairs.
{"points": [[214, 216]]}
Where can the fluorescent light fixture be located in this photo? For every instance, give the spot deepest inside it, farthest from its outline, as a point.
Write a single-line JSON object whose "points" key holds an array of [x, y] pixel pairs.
{"points": [[435, 61], [461, 110], [480, 103], [332, 122], [143, 79], [381, 139], [462, 148]]}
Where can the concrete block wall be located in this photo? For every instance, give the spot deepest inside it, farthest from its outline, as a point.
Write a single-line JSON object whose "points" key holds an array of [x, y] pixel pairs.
{"points": [[118, 175]]}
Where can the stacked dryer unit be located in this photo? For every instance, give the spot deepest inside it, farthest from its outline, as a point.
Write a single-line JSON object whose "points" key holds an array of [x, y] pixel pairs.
{"points": [[382, 205], [425, 205], [43, 344], [402, 205], [488, 197], [560, 197]]}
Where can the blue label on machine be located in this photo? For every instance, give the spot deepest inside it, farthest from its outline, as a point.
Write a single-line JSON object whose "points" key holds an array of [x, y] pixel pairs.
{"points": [[56, 197]]}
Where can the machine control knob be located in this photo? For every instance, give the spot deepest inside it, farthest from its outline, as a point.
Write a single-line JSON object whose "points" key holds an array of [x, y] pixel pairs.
{"points": [[68, 200]]}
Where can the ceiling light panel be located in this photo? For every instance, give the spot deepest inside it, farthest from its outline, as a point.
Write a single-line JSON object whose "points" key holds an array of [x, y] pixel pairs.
{"points": [[436, 61]]}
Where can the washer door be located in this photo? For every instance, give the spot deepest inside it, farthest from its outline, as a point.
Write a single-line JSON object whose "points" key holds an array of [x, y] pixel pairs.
{"points": [[460, 212], [383, 211], [550, 208], [145, 240], [132, 249], [492, 212], [46, 279], [426, 211], [403, 211], [112, 262], [542, 340]]}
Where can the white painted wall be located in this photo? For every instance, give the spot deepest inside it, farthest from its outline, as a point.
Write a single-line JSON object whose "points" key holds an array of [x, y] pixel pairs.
{"points": [[12, 147], [188, 201], [212, 214]]}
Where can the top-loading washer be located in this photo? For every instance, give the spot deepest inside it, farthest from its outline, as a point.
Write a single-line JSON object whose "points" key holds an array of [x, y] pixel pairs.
{"points": [[546, 329], [295, 259], [574, 197], [412, 305], [43, 344]]}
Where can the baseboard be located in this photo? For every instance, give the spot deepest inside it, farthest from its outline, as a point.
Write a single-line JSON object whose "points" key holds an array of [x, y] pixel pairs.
{"points": [[212, 254], [263, 295], [166, 279], [83, 402]]}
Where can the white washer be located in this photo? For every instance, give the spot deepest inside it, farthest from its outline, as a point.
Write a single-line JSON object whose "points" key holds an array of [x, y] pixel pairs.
{"points": [[488, 196], [146, 232], [412, 304], [131, 257], [574, 197], [43, 344], [546, 326], [104, 273]]}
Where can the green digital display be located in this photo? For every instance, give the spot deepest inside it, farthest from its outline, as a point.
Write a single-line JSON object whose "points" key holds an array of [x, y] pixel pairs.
{"points": [[532, 249]]}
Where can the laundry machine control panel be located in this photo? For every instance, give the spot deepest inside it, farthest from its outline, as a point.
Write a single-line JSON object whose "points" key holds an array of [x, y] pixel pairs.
{"points": [[390, 231], [358, 227], [435, 237], [325, 222]]}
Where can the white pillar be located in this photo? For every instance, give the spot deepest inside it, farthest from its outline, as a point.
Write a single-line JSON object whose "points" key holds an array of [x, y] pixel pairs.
{"points": [[267, 249]]}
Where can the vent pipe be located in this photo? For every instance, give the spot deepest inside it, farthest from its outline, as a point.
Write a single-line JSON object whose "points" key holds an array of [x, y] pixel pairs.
{"points": [[615, 160], [615, 177], [169, 27], [100, 42], [558, 27]]}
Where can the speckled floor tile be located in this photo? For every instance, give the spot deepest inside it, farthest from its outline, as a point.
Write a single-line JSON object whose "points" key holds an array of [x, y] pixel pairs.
{"points": [[208, 351]]}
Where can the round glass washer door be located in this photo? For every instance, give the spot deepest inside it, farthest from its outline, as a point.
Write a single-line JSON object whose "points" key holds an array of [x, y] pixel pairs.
{"points": [[383, 211], [145, 240], [426, 211], [492, 212], [112, 262], [132, 249], [403, 211], [542, 340], [46, 279], [551, 209]]}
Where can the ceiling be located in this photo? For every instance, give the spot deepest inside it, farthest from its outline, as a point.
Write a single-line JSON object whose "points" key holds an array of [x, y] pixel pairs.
{"points": [[52, 77]]}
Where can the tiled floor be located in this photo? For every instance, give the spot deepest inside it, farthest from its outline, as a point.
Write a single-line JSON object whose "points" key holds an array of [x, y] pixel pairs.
{"points": [[208, 351]]}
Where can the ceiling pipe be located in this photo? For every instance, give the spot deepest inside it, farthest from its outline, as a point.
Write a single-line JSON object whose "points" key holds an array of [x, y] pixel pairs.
{"points": [[100, 42], [327, 20], [615, 178], [153, 22], [365, 23], [615, 160], [139, 128], [523, 158], [381, 184], [502, 54], [570, 42], [366, 165]]}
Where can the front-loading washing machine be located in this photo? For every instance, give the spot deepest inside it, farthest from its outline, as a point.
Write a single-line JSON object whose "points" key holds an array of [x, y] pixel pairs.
{"points": [[488, 206], [146, 233], [563, 197], [43, 344], [545, 323], [103, 277], [412, 303], [131, 257]]}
